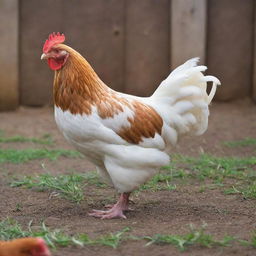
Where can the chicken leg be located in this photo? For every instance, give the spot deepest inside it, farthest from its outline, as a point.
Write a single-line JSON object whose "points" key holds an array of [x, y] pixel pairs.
{"points": [[116, 211]]}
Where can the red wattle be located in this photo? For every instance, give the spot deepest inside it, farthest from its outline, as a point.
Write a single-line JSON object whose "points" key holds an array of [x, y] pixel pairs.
{"points": [[54, 65]]}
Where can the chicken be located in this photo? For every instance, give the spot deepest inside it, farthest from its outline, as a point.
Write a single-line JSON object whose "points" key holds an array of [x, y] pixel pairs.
{"points": [[24, 247], [127, 137]]}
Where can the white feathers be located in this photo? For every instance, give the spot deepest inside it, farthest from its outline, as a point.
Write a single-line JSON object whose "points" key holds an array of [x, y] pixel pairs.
{"points": [[215, 81], [156, 142], [183, 106], [189, 91], [212, 79], [182, 99], [188, 64], [85, 128], [130, 166]]}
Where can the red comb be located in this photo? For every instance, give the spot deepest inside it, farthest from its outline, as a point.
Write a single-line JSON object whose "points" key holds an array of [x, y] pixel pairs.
{"points": [[52, 40]]}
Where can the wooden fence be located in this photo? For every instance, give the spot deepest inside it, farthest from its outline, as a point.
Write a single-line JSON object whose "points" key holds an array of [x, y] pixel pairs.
{"points": [[132, 44]]}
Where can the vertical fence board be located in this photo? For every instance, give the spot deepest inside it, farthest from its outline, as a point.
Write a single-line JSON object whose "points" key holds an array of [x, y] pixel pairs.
{"points": [[146, 45], [130, 43], [38, 20], [96, 30], [9, 96], [230, 40], [188, 29]]}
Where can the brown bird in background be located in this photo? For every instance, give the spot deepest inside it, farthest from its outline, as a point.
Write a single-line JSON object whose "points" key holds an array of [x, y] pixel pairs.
{"points": [[24, 247]]}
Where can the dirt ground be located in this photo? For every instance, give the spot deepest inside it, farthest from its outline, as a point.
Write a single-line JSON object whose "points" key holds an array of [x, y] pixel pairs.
{"points": [[155, 212]]}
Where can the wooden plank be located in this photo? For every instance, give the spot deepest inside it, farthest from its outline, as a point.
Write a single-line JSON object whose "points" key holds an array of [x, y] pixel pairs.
{"points": [[37, 20], [188, 29], [146, 45], [230, 46], [9, 96], [96, 30]]}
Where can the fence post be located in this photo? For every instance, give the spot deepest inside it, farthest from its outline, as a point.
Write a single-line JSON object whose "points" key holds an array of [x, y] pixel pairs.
{"points": [[146, 45], [38, 20], [230, 46], [188, 30], [9, 93]]}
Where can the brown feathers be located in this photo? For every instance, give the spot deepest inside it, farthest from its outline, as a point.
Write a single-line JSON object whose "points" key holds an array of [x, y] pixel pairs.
{"points": [[77, 88], [76, 85], [145, 124], [28, 246]]}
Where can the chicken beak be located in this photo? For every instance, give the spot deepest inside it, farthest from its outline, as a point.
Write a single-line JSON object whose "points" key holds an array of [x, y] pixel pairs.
{"points": [[43, 56]]}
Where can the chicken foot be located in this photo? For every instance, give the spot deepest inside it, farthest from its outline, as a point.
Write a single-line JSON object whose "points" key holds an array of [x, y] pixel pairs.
{"points": [[116, 211]]}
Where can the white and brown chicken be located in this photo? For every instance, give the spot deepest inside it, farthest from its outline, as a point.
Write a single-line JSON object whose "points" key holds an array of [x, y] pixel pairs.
{"points": [[127, 137]]}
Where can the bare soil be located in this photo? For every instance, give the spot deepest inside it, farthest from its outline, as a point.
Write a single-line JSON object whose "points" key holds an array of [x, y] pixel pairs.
{"points": [[155, 212]]}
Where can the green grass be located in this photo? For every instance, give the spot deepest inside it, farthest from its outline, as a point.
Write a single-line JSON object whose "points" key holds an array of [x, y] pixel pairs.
{"points": [[92, 178], [248, 191], [251, 242], [200, 168], [219, 170], [46, 139], [68, 186], [182, 167], [160, 181], [211, 167], [164, 180], [194, 237], [22, 156], [241, 143], [112, 239], [11, 229]]}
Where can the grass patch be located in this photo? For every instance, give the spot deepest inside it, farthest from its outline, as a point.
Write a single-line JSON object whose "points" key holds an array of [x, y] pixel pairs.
{"points": [[160, 181], [92, 178], [248, 191], [22, 156], [194, 237], [241, 143], [46, 139], [112, 239], [211, 167], [69, 186], [223, 171], [164, 180], [201, 168], [10, 229], [251, 242]]}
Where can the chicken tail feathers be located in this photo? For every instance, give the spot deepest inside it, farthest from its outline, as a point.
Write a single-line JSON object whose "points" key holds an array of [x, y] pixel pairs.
{"points": [[184, 99], [186, 75], [215, 83]]}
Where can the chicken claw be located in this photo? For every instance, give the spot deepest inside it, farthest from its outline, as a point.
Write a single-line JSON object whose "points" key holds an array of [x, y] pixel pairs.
{"points": [[116, 211]]}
